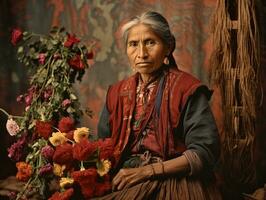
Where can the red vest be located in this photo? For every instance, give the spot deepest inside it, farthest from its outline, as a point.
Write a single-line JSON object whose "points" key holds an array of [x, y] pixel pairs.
{"points": [[178, 86]]}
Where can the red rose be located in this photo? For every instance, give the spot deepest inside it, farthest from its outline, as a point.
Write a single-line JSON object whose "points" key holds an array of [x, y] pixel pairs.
{"points": [[63, 195], [84, 149], [71, 39], [76, 62], [16, 36], [63, 154], [104, 187], [89, 55], [106, 148], [86, 179], [66, 124], [44, 129]]}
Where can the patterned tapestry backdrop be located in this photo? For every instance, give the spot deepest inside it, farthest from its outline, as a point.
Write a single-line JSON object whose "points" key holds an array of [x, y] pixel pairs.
{"points": [[98, 21]]}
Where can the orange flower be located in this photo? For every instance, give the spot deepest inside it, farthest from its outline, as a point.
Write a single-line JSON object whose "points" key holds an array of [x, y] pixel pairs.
{"points": [[24, 171]]}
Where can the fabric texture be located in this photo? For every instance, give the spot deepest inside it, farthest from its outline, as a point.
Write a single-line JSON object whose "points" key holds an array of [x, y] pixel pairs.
{"points": [[183, 125]]}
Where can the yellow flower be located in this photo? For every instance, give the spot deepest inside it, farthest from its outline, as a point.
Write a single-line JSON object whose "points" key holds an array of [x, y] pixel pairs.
{"points": [[80, 133], [103, 167], [58, 169], [66, 182], [58, 138]]}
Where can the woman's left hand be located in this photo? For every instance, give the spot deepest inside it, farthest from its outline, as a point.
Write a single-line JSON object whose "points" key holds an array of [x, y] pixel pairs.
{"points": [[130, 176]]}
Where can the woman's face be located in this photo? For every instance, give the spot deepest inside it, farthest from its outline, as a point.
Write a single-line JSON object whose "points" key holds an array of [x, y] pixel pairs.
{"points": [[145, 50]]}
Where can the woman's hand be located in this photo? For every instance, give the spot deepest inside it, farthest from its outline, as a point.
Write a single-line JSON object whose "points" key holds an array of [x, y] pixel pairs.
{"points": [[131, 176]]}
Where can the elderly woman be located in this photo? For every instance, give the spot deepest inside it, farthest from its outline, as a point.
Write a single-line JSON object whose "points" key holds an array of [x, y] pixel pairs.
{"points": [[166, 140]]}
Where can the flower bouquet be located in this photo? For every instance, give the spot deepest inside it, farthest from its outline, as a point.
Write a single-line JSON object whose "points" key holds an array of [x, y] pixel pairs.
{"points": [[53, 157]]}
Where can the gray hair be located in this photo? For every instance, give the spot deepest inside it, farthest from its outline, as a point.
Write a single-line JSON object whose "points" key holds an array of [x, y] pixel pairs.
{"points": [[158, 24]]}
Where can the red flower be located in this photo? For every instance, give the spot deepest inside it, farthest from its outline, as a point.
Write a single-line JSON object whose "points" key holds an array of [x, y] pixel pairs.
{"points": [[16, 36], [89, 55], [66, 124], [42, 58], [71, 39], [106, 148], [104, 187], [63, 154], [76, 62], [84, 149], [62, 196], [44, 129], [86, 179]]}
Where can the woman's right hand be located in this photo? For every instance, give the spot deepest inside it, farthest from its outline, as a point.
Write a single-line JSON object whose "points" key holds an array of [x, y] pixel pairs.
{"points": [[127, 177]]}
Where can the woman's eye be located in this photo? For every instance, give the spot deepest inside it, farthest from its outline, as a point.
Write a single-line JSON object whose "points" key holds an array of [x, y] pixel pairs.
{"points": [[150, 42], [133, 44]]}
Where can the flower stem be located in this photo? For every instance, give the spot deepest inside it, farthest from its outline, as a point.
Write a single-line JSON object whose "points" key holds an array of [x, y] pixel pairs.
{"points": [[10, 116], [6, 113]]}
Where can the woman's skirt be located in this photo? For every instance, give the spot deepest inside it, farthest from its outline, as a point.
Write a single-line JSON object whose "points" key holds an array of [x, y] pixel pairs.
{"points": [[188, 188]]}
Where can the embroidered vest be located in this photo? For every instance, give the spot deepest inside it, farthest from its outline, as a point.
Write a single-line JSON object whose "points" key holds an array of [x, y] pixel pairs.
{"points": [[178, 86]]}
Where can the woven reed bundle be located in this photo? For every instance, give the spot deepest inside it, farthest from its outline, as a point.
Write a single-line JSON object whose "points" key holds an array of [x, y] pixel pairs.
{"points": [[235, 70]]}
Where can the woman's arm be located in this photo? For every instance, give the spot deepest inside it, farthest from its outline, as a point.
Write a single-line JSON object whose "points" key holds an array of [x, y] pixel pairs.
{"points": [[202, 143]]}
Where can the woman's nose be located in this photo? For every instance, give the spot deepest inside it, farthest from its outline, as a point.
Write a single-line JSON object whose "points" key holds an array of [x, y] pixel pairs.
{"points": [[142, 51]]}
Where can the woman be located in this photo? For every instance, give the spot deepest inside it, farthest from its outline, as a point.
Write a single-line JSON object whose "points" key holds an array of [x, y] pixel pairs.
{"points": [[166, 140]]}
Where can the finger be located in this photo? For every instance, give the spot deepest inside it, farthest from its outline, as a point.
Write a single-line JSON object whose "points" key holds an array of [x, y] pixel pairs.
{"points": [[116, 179], [122, 184]]}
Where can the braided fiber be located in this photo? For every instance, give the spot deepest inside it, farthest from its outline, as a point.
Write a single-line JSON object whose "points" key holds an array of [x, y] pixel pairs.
{"points": [[235, 70]]}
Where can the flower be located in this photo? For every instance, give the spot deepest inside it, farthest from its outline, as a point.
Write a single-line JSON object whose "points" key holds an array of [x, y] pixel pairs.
{"points": [[24, 171], [76, 62], [58, 169], [103, 167], [66, 182], [102, 188], [106, 148], [71, 40], [84, 149], [58, 138], [47, 93], [66, 103], [66, 124], [44, 128], [42, 57], [17, 35], [63, 154], [46, 169], [15, 152], [89, 55], [80, 133], [12, 127], [68, 156], [47, 152], [62, 196], [86, 179]]}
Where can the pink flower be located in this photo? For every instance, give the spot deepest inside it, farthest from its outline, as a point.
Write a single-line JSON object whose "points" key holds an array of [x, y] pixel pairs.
{"points": [[17, 35], [42, 58], [12, 127], [48, 93], [15, 152], [47, 152], [66, 102], [19, 98], [46, 169]]}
